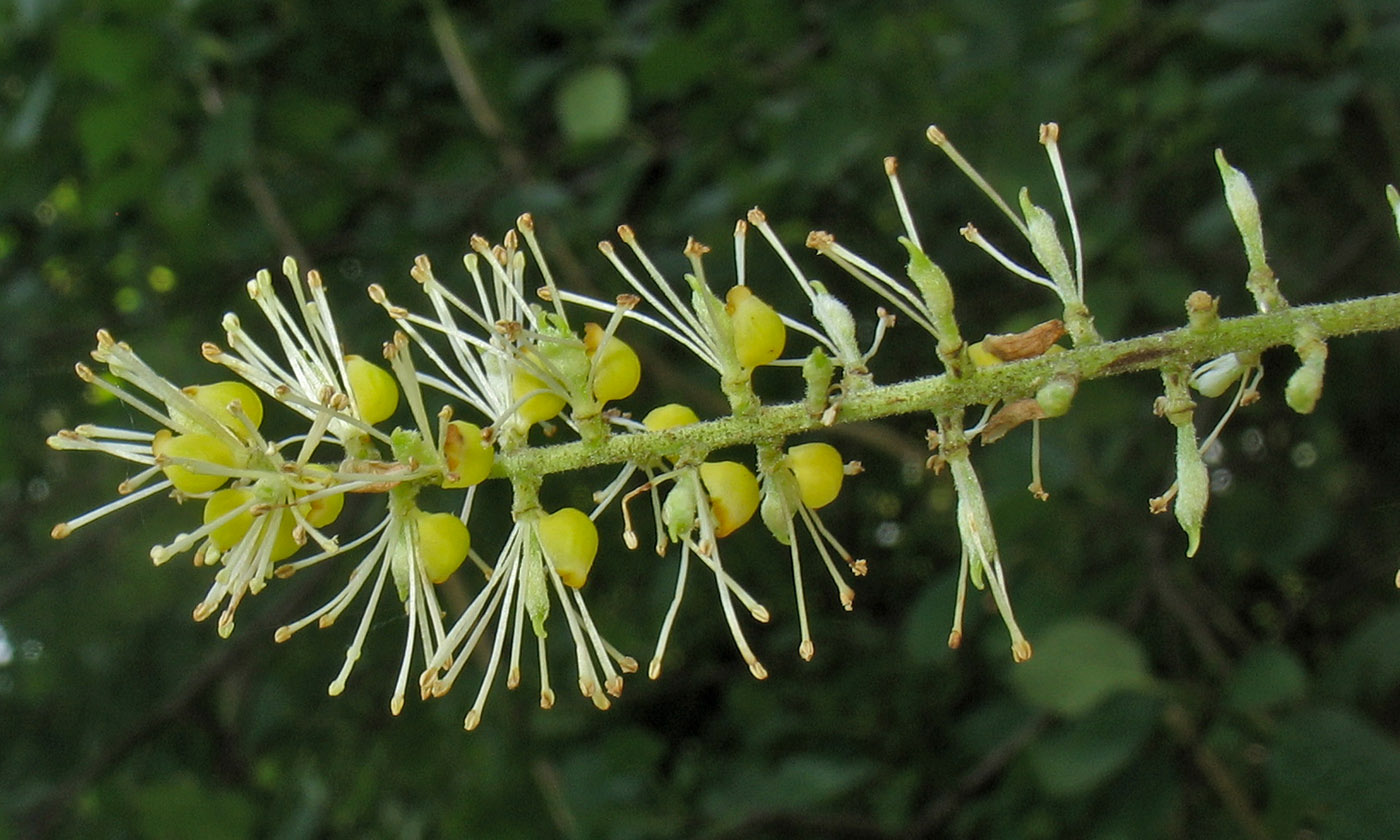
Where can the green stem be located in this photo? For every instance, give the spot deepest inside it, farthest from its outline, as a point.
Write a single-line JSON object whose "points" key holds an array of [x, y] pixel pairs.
{"points": [[1251, 334]]}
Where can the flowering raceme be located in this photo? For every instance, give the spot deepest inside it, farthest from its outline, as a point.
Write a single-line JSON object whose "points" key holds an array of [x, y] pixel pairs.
{"points": [[546, 381]]}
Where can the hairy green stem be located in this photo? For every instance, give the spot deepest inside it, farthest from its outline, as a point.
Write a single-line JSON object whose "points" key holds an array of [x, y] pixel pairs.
{"points": [[1250, 334]]}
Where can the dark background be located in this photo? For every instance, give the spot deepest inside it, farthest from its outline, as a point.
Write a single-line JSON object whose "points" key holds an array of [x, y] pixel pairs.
{"points": [[153, 156]]}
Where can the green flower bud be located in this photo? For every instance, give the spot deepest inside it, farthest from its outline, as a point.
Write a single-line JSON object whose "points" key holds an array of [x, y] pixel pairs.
{"points": [[776, 516], [1193, 486], [840, 327], [1304, 387], [1046, 245], [933, 285], [1055, 396], [679, 510], [817, 371]]}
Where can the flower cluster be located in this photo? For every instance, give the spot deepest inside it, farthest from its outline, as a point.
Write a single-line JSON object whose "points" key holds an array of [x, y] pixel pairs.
{"points": [[512, 352]]}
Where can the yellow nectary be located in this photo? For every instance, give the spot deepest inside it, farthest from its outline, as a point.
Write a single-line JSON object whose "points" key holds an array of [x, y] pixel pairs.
{"points": [[759, 333], [570, 543], [325, 510], [376, 393], [544, 405], [216, 397], [196, 447], [467, 454], [616, 369], [284, 542], [443, 543], [819, 471], [221, 503], [669, 416], [733, 492]]}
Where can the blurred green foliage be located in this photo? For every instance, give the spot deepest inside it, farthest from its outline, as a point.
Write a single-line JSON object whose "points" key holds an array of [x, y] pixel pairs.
{"points": [[154, 154]]}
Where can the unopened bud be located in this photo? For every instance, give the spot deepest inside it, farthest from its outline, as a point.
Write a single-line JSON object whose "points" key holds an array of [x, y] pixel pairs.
{"points": [[1217, 375], [1056, 395], [1193, 486], [933, 284], [817, 370], [1046, 245]]}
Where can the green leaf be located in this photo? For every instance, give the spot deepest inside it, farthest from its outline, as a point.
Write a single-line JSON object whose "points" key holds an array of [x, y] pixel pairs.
{"points": [[592, 104], [1078, 663], [1332, 770], [1367, 666], [180, 807], [797, 783], [1079, 755], [1268, 676]]}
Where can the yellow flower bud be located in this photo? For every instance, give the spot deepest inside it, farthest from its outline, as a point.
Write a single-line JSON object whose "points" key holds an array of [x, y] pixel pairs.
{"points": [[669, 416], [733, 492], [222, 502], [819, 471], [616, 370], [570, 543], [443, 543], [467, 455], [376, 392], [216, 397], [759, 333], [196, 447]]}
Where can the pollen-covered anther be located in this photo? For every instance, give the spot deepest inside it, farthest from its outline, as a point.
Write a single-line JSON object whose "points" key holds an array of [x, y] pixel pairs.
{"points": [[936, 136], [1049, 133], [695, 248], [891, 165], [820, 240], [756, 217]]}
